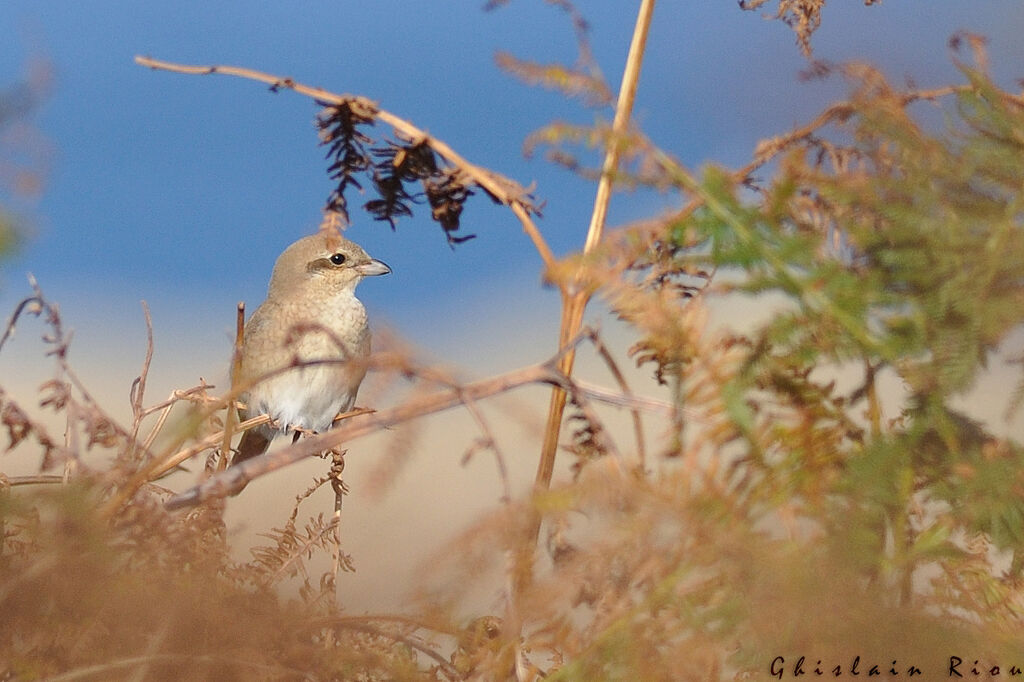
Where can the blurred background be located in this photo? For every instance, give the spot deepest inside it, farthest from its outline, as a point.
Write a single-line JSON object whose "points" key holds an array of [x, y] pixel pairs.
{"points": [[181, 191]]}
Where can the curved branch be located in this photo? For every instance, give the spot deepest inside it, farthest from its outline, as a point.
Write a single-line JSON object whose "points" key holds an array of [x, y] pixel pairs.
{"points": [[506, 191]]}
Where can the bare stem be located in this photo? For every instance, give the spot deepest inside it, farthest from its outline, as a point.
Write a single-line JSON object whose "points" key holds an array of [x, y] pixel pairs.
{"points": [[236, 367], [620, 378], [574, 302], [338, 486], [138, 390]]}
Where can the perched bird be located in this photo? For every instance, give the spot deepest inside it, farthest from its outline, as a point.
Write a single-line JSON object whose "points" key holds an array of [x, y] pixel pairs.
{"points": [[311, 314]]}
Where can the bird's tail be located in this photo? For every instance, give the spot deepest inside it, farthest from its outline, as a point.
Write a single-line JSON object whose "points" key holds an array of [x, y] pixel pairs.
{"points": [[253, 444]]}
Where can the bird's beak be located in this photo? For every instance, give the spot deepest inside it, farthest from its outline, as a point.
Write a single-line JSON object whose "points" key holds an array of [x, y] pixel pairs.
{"points": [[374, 267]]}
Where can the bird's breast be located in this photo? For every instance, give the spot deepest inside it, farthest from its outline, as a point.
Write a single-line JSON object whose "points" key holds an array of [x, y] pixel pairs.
{"points": [[303, 360]]}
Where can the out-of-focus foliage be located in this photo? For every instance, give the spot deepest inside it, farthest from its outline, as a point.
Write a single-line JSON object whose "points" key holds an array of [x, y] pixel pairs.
{"points": [[14, 102], [157, 597], [6, 234], [803, 16], [23, 153], [804, 519]]}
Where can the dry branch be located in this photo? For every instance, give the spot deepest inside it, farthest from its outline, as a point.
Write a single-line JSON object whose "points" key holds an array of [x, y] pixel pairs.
{"points": [[231, 417], [138, 389], [505, 190]]}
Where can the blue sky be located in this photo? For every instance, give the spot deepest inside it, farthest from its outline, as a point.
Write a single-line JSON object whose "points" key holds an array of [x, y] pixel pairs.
{"points": [[182, 190]]}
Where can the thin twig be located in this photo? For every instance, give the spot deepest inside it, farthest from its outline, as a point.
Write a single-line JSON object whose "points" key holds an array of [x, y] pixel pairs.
{"points": [[71, 440], [178, 395], [603, 439], [638, 427], [338, 486], [491, 443], [210, 441], [172, 456], [534, 234], [488, 439], [138, 389], [87, 398], [165, 410], [236, 368], [158, 466], [12, 321]]}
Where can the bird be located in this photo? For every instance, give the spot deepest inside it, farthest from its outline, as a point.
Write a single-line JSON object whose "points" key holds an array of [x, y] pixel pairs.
{"points": [[304, 348]]}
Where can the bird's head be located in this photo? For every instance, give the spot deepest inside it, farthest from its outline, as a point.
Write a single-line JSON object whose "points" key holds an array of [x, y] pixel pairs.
{"points": [[325, 261]]}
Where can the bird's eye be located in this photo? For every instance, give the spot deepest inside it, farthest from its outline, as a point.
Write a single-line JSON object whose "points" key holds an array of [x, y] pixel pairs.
{"points": [[338, 258]]}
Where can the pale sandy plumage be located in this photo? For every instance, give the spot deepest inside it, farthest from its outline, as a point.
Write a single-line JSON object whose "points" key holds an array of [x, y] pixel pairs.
{"points": [[311, 314]]}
